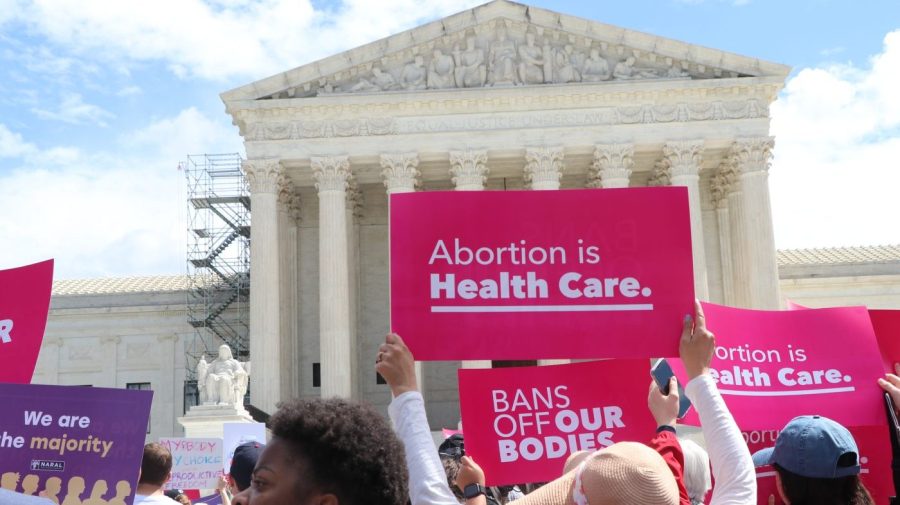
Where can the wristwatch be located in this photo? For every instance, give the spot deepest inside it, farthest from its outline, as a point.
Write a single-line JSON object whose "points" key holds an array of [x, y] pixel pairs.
{"points": [[473, 490]]}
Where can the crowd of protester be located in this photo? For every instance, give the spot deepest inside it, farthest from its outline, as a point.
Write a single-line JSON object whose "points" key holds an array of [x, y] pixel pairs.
{"points": [[338, 452]]}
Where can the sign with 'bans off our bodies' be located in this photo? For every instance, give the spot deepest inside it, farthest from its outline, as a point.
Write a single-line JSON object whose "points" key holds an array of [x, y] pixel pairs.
{"points": [[541, 274]]}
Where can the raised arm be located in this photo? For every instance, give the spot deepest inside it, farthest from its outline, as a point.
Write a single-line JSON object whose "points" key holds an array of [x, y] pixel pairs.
{"points": [[427, 480], [729, 456]]}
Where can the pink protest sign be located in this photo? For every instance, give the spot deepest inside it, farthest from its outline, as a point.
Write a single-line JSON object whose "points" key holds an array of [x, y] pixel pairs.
{"points": [[874, 457], [522, 423], [886, 324], [24, 304], [541, 274], [772, 366]]}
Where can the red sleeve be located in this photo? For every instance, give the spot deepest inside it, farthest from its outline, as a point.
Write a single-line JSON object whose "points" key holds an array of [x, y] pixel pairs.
{"points": [[666, 444]]}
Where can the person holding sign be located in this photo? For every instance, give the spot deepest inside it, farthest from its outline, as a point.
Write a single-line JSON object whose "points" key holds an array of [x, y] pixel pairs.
{"points": [[428, 482]]}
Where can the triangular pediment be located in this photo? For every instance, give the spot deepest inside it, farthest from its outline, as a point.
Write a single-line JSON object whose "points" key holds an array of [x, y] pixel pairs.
{"points": [[502, 43]]}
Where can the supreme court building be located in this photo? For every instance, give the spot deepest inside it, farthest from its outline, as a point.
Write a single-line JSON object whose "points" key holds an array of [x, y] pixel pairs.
{"points": [[506, 97]]}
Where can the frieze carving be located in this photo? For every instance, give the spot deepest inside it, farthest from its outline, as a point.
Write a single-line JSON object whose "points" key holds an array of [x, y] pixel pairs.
{"points": [[626, 114], [502, 53]]}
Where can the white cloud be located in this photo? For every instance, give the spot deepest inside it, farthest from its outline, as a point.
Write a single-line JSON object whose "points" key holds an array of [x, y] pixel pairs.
{"points": [[105, 214], [837, 155], [223, 39], [74, 110], [129, 91]]}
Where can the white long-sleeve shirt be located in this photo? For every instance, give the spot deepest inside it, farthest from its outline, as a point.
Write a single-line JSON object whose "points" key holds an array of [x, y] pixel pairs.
{"points": [[729, 457], [427, 480]]}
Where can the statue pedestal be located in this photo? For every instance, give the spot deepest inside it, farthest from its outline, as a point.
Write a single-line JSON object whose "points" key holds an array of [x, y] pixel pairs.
{"points": [[205, 421]]}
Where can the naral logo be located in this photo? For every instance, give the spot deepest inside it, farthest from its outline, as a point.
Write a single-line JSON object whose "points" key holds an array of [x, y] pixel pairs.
{"points": [[51, 466]]}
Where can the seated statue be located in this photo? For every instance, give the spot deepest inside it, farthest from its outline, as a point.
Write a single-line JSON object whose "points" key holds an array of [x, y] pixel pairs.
{"points": [[222, 382], [595, 68], [413, 75], [440, 71], [470, 70]]}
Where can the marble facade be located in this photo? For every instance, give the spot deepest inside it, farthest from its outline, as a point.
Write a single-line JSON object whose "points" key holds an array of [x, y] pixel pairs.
{"points": [[502, 96]]}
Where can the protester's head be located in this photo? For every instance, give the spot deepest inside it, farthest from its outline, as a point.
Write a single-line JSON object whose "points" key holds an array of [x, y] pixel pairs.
{"points": [[816, 462], [242, 464], [697, 480], [156, 465], [627, 472], [182, 499], [329, 451]]}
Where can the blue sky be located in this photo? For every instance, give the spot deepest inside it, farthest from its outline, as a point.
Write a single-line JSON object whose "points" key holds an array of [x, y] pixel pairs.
{"points": [[100, 100]]}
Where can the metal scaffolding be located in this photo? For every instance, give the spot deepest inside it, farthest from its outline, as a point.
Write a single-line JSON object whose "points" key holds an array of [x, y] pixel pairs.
{"points": [[218, 257]]}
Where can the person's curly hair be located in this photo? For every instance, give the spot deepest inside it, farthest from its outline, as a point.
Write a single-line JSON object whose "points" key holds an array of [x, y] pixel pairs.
{"points": [[350, 449]]}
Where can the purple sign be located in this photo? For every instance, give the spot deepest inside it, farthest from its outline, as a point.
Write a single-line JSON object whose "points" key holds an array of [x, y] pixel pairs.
{"points": [[72, 444]]}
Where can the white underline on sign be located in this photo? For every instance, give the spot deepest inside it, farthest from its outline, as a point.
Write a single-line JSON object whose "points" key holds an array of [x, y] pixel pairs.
{"points": [[542, 308], [761, 475], [800, 392]]}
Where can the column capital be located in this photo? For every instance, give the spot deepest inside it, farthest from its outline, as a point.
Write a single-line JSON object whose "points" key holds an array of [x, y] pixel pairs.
{"points": [[400, 172], [612, 165], [661, 174], [753, 155], [263, 175], [722, 184], [354, 200], [294, 208], [684, 157], [332, 173], [544, 166], [285, 191], [468, 169]]}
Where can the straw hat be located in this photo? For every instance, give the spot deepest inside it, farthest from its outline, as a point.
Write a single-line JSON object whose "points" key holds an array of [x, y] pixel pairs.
{"points": [[627, 473]]}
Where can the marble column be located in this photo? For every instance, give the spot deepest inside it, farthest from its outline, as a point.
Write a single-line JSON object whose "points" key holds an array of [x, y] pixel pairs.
{"points": [[612, 166], [719, 189], [684, 159], [468, 171], [753, 156], [49, 360], [287, 258], [264, 177], [354, 211], [294, 280], [543, 168], [332, 175], [400, 172], [740, 262]]}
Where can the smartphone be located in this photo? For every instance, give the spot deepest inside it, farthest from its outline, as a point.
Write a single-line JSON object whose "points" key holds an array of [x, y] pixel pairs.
{"points": [[662, 372]]}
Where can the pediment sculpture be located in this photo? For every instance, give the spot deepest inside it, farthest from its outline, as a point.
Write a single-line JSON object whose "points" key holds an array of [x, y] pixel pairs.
{"points": [[503, 57]]}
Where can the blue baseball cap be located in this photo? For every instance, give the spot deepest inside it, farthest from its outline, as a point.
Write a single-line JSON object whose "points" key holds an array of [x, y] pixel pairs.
{"points": [[812, 446]]}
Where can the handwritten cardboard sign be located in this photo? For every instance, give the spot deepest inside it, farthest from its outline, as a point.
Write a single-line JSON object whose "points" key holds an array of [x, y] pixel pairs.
{"points": [[72, 443], [196, 462], [522, 423], [540, 274], [235, 434], [772, 366], [24, 304]]}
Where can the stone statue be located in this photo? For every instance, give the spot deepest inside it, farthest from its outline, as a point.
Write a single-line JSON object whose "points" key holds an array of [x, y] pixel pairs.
{"points": [[564, 69], [440, 71], [413, 75], [625, 69], [674, 71], [502, 59], [531, 62], [363, 85], [595, 68], [383, 80], [222, 382], [470, 70]]}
